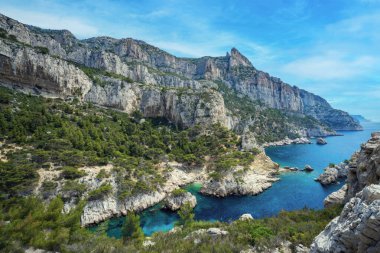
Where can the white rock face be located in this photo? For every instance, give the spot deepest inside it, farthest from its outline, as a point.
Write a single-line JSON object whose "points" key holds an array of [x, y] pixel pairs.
{"points": [[357, 229], [109, 206], [287, 141], [40, 73], [336, 197]]}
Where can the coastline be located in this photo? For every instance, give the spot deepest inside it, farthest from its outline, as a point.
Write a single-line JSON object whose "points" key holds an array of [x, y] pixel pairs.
{"points": [[240, 182]]}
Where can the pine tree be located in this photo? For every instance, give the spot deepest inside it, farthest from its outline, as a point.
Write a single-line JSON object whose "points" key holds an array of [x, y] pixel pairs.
{"points": [[131, 230], [186, 215]]}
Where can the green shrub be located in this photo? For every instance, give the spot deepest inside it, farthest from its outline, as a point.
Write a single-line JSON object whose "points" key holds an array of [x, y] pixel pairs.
{"points": [[131, 230], [49, 185], [186, 215], [12, 37], [100, 192], [102, 174], [42, 50], [178, 192], [71, 173]]}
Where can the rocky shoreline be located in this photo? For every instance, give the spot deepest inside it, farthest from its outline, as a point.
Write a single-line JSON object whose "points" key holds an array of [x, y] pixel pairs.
{"points": [[357, 229], [287, 141]]}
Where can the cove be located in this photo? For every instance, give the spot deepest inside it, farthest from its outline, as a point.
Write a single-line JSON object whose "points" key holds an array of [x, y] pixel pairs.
{"points": [[295, 190]]}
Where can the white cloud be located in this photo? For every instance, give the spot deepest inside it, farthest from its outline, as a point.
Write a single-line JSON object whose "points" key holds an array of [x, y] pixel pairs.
{"points": [[330, 66], [77, 26]]}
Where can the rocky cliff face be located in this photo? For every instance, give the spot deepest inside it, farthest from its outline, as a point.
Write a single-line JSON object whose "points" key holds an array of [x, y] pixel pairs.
{"points": [[130, 75], [365, 166], [357, 229]]}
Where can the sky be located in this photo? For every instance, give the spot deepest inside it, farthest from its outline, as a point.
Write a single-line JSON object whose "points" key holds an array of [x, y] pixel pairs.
{"points": [[328, 47]]}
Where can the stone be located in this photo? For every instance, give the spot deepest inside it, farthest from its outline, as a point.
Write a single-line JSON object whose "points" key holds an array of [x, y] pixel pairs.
{"points": [[216, 232], [308, 168], [245, 217], [329, 176], [148, 243], [321, 141], [336, 198]]}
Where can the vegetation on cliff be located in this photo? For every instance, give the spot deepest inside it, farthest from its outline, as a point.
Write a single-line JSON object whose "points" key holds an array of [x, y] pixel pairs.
{"points": [[68, 135]]}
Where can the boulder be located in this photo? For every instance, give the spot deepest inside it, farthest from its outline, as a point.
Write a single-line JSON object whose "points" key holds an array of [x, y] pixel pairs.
{"points": [[329, 176], [308, 168], [216, 232], [321, 141], [246, 216]]}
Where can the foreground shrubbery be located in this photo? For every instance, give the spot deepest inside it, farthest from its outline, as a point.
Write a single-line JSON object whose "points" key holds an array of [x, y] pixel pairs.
{"points": [[27, 222]]}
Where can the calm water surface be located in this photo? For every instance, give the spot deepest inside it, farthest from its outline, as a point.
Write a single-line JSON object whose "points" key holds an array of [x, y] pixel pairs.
{"points": [[295, 190]]}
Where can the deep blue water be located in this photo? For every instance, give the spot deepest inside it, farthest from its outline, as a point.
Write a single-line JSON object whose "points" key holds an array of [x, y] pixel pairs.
{"points": [[295, 190]]}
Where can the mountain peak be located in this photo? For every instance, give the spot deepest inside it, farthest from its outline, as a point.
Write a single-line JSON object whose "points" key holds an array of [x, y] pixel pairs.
{"points": [[237, 59]]}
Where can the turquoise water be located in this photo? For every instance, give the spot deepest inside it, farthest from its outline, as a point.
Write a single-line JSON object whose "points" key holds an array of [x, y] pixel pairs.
{"points": [[294, 191]]}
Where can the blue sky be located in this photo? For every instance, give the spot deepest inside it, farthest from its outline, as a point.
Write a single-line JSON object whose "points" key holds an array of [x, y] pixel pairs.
{"points": [[329, 47]]}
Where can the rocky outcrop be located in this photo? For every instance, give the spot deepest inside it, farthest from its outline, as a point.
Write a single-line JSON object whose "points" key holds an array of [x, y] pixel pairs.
{"points": [[357, 229], [321, 141], [331, 174], [308, 168], [287, 141], [364, 169], [176, 201], [336, 198], [240, 181]]}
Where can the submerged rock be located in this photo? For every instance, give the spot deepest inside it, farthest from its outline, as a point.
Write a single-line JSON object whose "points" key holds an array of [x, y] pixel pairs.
{"points": [[288, 168]]}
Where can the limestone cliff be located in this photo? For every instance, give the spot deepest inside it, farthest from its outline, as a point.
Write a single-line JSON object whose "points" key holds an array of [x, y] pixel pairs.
{"points": [[130, 75], [357, 229]]}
